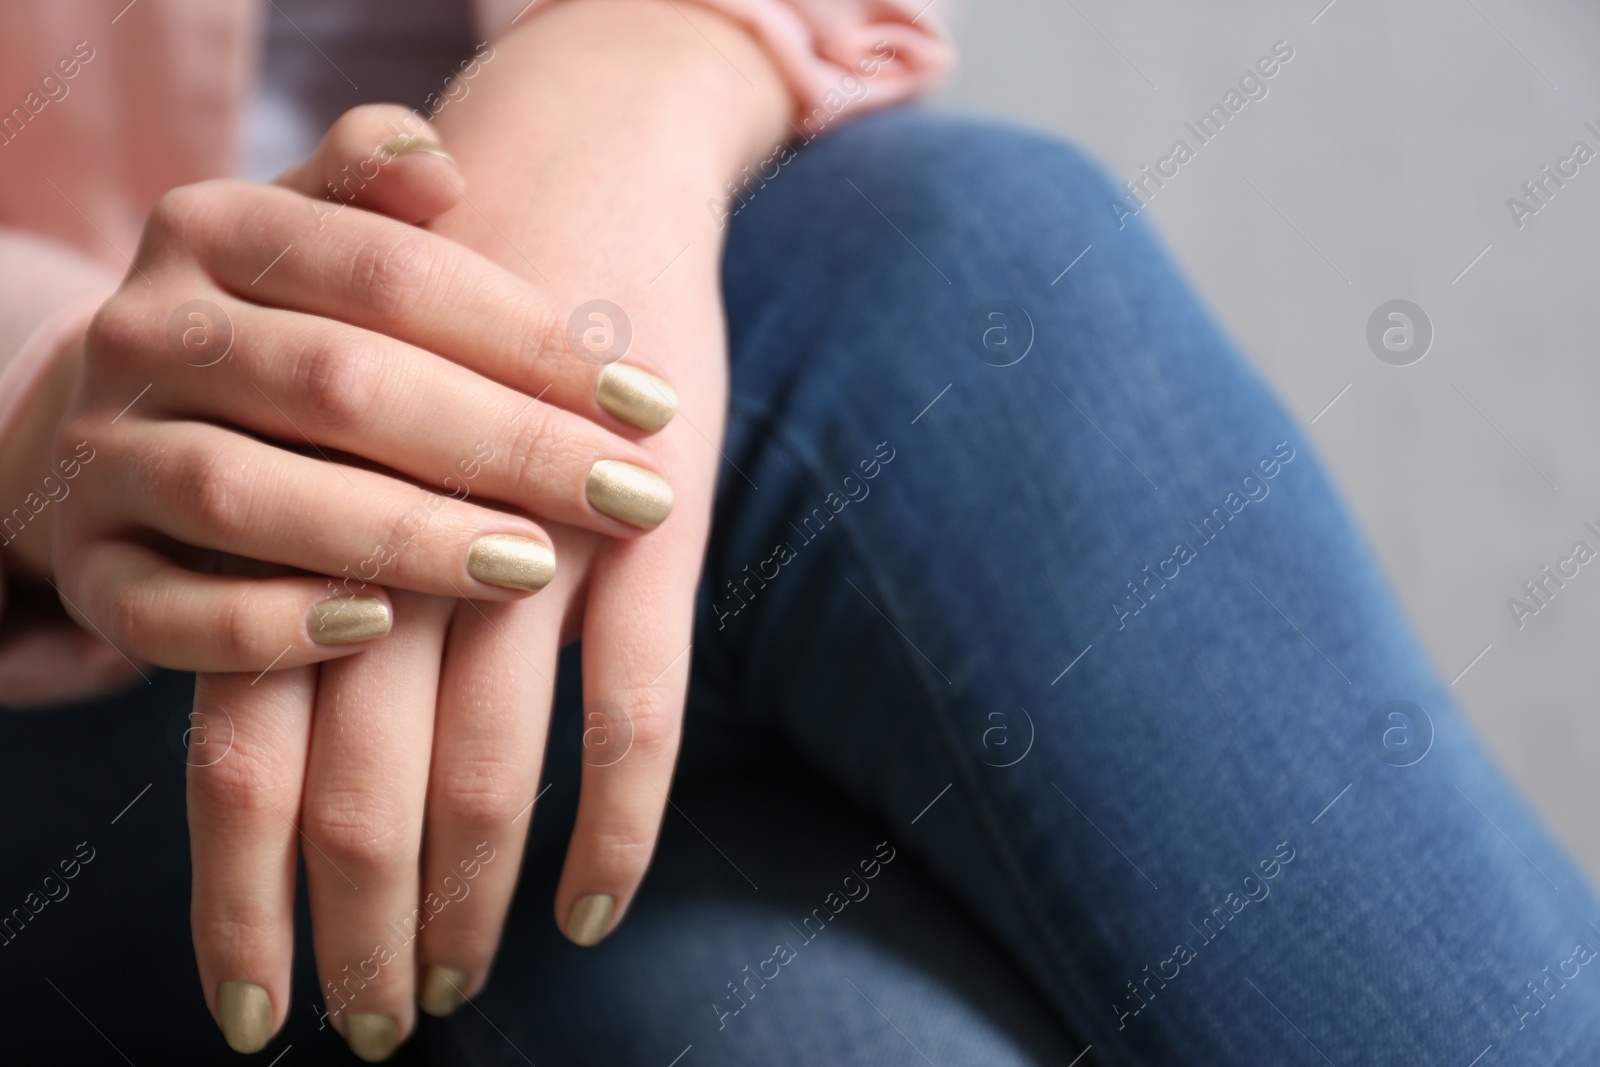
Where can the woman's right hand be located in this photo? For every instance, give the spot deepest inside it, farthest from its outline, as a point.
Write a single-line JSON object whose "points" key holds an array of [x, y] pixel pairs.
{"points": [[265, 356]]}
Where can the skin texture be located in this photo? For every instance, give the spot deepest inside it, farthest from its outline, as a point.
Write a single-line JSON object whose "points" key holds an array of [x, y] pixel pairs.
{"points": [[446, 715]]}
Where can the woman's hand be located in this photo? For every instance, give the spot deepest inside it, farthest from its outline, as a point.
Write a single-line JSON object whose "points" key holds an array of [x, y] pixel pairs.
{"points": [[256, 315], [606, 193]]}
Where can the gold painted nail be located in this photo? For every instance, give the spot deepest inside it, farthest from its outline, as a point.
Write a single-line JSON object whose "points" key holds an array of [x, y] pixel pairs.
{"points": [[629, 494], [588, 919], [512, 562], [373, 1037], [245, 1011], [636, 396], [443, 991], [406, 145], [344, 621]]}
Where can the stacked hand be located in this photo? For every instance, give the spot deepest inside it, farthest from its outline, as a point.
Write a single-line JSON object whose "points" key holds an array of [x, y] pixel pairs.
{"points": [[376, 413]]}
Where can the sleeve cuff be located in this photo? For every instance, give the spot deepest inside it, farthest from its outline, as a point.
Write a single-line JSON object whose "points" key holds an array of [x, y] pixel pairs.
{"points": [[20, 377], [48, 660], [838, 57]]}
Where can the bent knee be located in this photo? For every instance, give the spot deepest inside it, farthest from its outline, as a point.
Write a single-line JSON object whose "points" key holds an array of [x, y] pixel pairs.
{"points": [[972, 203]]}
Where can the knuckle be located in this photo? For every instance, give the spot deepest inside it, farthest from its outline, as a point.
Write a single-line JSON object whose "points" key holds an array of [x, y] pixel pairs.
{"points": [[178, 212], [542, 342], [352, 834], [221, 507], [245, 926], [391, 274], [238, 633], [655, 727], [538, 450], [128, 619], [118, 329], [621, 850], [337, 380], [237, 788], [149, 467], [482, 799]]}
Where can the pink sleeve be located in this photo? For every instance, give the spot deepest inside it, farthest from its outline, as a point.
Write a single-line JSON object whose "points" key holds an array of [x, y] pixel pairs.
{"points": [[50, 292], [838, 56]]}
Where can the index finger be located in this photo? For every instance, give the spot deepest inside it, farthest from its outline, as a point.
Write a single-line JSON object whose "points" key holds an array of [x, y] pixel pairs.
{"points": [[356, 267]]}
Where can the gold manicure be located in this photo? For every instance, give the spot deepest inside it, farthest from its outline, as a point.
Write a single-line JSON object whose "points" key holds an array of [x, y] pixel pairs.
{"points": [[372, 1037], [589, 918], [636, 396], [443, 991], [342, 621], [245, 1011], [512, 562], [629, 494]]}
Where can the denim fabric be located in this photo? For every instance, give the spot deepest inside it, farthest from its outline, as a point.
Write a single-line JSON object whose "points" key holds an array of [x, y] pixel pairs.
{"points": [[1046, 704]]}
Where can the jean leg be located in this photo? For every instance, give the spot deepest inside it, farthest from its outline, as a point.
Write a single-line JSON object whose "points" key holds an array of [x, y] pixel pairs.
{"points": [[1022, 554], [777, 926]]}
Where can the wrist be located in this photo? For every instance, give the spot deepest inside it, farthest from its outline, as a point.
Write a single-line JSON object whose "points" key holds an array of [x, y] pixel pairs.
{"points": [[659, 73], [598, 132]]}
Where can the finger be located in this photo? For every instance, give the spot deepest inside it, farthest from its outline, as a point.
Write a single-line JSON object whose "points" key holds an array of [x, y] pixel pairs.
{"points": [[383, 158], [636, 636], [151, 609], [246, 746], [294, 377], [488, 744], [218, 489], [366, 782], [403, 282]]}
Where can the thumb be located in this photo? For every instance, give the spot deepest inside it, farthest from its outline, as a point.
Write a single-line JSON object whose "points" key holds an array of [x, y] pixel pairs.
{"points": [[384, 158]]}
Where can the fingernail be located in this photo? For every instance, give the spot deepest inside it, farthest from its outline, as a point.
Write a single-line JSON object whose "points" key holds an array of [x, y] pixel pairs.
{"points": [[512, 562], [343, 621], [636, 396], [588, 919], [443, 991], [245, 1011], [373, 1037], [629, 494], [404, 146]]}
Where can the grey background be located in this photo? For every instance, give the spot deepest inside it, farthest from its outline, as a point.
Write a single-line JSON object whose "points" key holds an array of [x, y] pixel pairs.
{"points": [[1391, 142]]}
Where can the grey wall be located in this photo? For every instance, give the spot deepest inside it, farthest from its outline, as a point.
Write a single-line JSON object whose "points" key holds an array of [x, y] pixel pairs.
{"points": [[1391, 142]]}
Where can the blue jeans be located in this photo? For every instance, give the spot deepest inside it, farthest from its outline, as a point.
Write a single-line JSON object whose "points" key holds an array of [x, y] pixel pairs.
{"points": [[1046, 704]]}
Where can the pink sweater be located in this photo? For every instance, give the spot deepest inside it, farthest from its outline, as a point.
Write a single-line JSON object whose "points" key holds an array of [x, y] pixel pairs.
{"points": [[107, 104]]}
